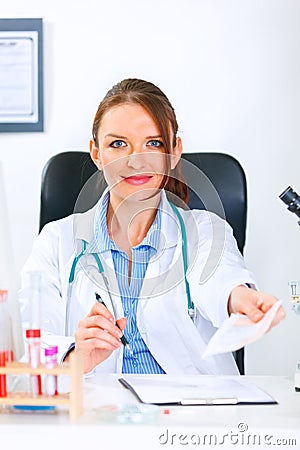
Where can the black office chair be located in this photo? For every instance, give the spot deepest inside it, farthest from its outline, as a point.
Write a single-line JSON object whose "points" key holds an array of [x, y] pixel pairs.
{"points": [[216, 182]]}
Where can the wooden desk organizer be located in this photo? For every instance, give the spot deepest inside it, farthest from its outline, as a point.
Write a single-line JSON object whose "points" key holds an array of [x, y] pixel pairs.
{"points": [[74, 399]]}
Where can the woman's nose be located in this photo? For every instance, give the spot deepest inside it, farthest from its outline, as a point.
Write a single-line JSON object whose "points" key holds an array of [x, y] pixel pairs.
{"points": [[137, 160]]}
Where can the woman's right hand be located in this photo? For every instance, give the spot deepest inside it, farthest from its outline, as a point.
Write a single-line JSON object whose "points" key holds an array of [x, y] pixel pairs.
{"points": [[97, 336]]}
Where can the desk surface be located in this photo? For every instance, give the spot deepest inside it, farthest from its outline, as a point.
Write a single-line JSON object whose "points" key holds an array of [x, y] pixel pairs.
{"points": [[231, 426]]}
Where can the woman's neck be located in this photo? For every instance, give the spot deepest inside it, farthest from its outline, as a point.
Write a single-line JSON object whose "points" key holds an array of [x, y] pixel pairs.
{"points": [[128, 222]]}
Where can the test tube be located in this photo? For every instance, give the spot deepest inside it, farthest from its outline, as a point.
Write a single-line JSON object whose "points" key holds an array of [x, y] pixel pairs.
{"points": [[9, 353], [3, 391], [34, 354], [33, 334], [4, 339], [34, 299], [50, 362]]}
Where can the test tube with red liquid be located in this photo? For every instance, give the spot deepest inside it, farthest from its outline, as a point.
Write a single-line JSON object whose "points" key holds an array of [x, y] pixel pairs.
{"points": [[6, 352], [33, 334], [34, 355]]}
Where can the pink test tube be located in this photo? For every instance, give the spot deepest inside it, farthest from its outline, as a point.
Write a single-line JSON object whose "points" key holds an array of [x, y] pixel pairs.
{"points": [[50, 362], [34, 353]]}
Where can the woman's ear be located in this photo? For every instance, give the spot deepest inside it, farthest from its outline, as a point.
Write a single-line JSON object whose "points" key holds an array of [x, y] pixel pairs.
{"points": [[176, 153], [95, 154]]}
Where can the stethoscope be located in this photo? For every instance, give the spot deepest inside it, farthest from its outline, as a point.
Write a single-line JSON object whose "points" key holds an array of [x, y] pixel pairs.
{"points": [[190, 303]]}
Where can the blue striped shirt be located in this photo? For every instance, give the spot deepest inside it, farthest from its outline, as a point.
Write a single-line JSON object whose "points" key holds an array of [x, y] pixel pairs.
{"points": [[142, 360]]}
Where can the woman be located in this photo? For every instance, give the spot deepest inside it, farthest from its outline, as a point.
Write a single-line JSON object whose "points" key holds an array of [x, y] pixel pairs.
{"points": [[129, 250]]}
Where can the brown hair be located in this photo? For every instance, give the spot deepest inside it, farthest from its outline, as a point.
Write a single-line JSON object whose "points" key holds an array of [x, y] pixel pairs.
{"points": [[151, 98]]}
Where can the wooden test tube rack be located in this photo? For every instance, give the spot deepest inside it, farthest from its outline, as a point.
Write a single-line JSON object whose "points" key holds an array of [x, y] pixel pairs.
{"points": [[73, 399]]}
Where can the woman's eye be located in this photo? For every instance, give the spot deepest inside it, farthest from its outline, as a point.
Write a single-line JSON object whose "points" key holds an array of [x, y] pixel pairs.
{"points": [[155, 143], [117, 144]]}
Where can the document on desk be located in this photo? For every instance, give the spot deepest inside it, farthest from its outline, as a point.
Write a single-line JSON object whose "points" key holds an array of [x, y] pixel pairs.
{"points": [[195, 390]]}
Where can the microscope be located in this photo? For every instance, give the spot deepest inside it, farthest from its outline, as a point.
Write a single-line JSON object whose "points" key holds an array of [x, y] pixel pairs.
{"points": [[292, 199]]}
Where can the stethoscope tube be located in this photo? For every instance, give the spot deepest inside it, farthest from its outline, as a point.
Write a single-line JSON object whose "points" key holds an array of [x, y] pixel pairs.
{"points": [[70, 287], [191, 306], [72, 278]]}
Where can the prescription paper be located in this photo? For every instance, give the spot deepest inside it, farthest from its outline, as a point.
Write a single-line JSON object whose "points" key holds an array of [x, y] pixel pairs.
{"points": [[237, 331]]}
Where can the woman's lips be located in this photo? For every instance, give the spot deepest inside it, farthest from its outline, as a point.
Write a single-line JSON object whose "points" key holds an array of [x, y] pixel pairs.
{"points": [[138, 180]]}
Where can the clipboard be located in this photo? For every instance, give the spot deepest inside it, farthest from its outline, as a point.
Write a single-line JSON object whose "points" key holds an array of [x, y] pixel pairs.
{"points": [[197, 390]]}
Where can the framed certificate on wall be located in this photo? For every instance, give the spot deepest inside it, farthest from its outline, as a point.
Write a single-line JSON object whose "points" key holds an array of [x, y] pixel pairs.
{"points": [[21, 75]]}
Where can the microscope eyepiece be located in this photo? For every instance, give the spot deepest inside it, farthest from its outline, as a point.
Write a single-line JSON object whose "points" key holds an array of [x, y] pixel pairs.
{"points": [[292, 199]]}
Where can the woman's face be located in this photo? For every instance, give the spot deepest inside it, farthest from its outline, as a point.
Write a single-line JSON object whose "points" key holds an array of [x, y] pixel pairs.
{"points": [[131, 153]]}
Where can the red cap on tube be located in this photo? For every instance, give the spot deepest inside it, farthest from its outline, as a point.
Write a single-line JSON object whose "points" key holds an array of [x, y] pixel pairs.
{"points": [[33, 333]]}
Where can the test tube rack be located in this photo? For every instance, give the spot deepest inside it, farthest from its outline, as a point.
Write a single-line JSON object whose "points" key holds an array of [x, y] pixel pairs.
{"points": [[74, 399]]}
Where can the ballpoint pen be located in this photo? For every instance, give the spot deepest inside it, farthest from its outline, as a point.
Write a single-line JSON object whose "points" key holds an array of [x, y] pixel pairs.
{"points": [[123, 338]]}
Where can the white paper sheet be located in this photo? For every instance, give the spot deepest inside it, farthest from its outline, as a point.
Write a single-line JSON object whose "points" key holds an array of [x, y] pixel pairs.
{"points": [[18, 76], [238, 330]]}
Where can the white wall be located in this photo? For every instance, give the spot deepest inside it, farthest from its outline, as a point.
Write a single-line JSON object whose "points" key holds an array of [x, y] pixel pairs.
{"points": [[231, 69]]}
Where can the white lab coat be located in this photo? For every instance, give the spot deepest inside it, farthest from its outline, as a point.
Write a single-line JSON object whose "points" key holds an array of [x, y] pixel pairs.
{"points": [[177, 344]]}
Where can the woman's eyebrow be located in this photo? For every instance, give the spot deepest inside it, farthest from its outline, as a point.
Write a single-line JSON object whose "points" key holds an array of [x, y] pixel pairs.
{"points": [[114, 136], [154, 137], [117, 136]]}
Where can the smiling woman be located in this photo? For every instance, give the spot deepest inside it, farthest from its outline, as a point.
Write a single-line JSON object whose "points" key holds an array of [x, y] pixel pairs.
{"points": [[131, 154], [142, 254], [161, 120], [137, 153]]}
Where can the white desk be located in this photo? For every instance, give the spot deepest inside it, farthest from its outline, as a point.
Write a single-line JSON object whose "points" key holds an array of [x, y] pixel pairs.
{"points": [[185, 427]]}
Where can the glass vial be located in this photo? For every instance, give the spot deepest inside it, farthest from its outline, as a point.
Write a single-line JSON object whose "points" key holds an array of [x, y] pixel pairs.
{"points": [[50, 362], [5, 341], [35, 278], [34, 354]]}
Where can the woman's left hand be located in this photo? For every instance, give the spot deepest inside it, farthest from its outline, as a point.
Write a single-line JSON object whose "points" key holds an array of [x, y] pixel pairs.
{"points": [[254, 304]]}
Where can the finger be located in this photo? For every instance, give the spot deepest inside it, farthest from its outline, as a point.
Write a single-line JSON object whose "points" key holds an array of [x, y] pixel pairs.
{"points": [[247, 304], [243, 300], [96, 338], [256, 304], [265, 301], [254, 313], [122, 323], [99, 308], [89, 345], [101, 323]]}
